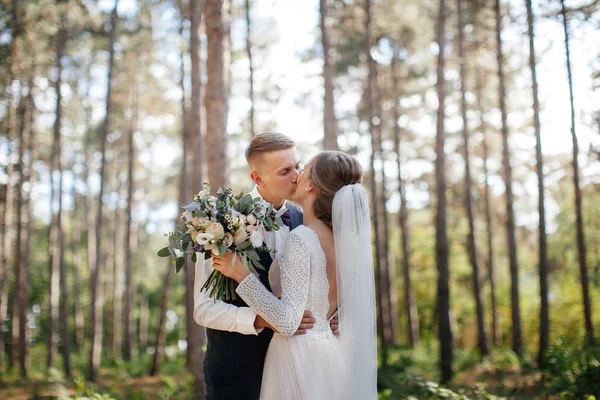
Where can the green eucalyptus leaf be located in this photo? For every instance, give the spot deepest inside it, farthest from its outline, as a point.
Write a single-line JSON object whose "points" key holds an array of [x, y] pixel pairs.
{"points": [[164, 252], [179, 263]]}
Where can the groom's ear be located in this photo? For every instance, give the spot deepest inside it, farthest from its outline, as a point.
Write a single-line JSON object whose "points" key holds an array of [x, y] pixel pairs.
{"points": [[256, 178]]}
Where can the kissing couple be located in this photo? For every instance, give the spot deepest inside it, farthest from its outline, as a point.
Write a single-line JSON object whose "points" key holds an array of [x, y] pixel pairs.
{"points": [[304, 328]]}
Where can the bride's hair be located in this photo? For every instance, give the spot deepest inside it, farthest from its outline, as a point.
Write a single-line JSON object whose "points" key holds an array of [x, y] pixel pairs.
{"points": [[329, 171]]}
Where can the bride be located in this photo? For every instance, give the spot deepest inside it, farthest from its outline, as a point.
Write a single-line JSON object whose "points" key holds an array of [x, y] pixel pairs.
{"points": [[327, 266]]}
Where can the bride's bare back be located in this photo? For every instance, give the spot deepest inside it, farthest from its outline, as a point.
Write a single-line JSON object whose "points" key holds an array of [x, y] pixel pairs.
{"points": [[327, 244]]}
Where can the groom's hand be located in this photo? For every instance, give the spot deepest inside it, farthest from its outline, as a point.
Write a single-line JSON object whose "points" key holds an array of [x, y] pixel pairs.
{"points": [[308, 322], [334, 323]]}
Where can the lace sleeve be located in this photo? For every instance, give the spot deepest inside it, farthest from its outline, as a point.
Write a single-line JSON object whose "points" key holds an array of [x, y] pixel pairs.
{"points": [[283, 314]]}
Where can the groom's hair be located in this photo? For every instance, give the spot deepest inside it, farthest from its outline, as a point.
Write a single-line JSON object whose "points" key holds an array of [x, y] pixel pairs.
{"points": [[266, 143]]}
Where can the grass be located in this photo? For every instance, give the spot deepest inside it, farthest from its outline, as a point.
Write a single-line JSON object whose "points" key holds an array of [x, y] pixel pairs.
{"points": [[411, 374]]}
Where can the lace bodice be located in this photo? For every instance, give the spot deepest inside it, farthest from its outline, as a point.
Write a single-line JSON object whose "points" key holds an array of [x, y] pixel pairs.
{"points": [[304, 286]]}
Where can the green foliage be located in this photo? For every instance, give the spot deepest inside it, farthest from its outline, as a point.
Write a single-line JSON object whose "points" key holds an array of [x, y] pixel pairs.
{"points": [[573, 372]]}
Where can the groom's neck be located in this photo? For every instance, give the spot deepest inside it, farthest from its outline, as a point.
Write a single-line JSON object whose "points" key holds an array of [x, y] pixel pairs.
{"points": [[277, 203]]}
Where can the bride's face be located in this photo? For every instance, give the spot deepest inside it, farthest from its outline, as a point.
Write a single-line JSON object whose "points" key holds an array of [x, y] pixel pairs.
{"points": [[304, 188]]}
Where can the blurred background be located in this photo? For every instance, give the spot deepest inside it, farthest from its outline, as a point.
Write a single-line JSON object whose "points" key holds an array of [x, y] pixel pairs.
{"points": [[477, 123]]}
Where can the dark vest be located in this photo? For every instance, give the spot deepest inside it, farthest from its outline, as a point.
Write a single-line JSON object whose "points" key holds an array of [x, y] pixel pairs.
{"points": [[233, 363]]}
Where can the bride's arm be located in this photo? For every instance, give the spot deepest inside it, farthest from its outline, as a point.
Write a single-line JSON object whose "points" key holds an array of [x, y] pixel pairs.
{"points": [[283, 314]]}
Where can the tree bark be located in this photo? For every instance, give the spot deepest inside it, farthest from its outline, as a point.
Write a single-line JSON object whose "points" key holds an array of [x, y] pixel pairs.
{"points": [[410, 305], [161, 334], [581, 245], [471, 244], [7, 226], [216, 97], [118, 284], [78, 338], [96, 295], [542, 247], [250, 68], [441, 242], [20, 270], [56, 235], [329, 122], [216, 120], [495, 328], [388, 271], [9, 212], [517, 342], [129, 322], [59, 255], [26, 230], [380, 281]]}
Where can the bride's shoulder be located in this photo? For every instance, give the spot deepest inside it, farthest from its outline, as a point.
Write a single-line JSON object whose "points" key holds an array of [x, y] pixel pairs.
{"points": [[306, 235]]}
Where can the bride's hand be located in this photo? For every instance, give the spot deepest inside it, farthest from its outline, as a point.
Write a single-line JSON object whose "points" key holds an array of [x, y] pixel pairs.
{"points": [[231, 266]]}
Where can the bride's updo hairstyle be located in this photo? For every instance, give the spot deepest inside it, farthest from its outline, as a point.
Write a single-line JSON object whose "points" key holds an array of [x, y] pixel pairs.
{"points": [[329, 171]]}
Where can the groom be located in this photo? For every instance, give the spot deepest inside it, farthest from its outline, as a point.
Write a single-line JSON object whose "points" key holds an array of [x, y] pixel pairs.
{"points": [[237, 340]]}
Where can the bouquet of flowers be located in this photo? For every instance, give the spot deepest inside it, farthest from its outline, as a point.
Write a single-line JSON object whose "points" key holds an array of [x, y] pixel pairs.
{"points": [[216, 224]]}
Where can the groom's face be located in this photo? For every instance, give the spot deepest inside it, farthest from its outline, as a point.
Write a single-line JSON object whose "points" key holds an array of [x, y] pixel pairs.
{"points": [[276, 174]]}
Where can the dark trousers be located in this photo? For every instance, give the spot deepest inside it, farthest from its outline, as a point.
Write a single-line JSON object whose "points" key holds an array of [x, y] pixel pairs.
{"points": [[233, 365], [227, 380]]}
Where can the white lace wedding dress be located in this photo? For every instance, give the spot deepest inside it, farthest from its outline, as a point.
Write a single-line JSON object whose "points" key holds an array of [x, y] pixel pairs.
{"points": [[307, 366]]}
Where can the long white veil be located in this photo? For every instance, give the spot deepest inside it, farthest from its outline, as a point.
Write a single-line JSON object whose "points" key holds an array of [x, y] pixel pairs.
{"points": [[356, 289]]}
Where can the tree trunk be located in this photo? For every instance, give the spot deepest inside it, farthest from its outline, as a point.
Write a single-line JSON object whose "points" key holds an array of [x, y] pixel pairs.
{"points": [[17, 29], [471, 244], [410, 305], [389, 272], [118, 284], [161, 333], [129, 322], [216, 119], [250, 68], [329, 122], [495, 328], [517, 342], [26, 230], [581, 245], [441, 243], [96, 295], [20, 270], [7, 226], [195, 158], [215, 98], [58, 258], [370, 101], [77, 265], [542, 248], [56, 235]]}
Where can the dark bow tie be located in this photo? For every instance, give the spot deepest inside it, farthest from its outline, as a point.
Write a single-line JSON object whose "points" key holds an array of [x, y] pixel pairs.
{"points": [[286, 218]]}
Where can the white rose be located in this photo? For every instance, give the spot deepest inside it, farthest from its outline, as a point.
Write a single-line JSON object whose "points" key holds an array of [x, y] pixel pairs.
{"points": [[228, 239], [251, 219], [204, 238], [250, 228], [216, 230], [256, 238], [240, 237], [212, 248]]}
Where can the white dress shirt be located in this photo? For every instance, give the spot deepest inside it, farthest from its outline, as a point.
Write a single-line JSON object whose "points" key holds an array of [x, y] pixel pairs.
{"points": [[217, 314]]}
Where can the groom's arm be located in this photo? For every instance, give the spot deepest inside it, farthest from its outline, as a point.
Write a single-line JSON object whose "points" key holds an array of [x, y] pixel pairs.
{"points": [[217, 314]]}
